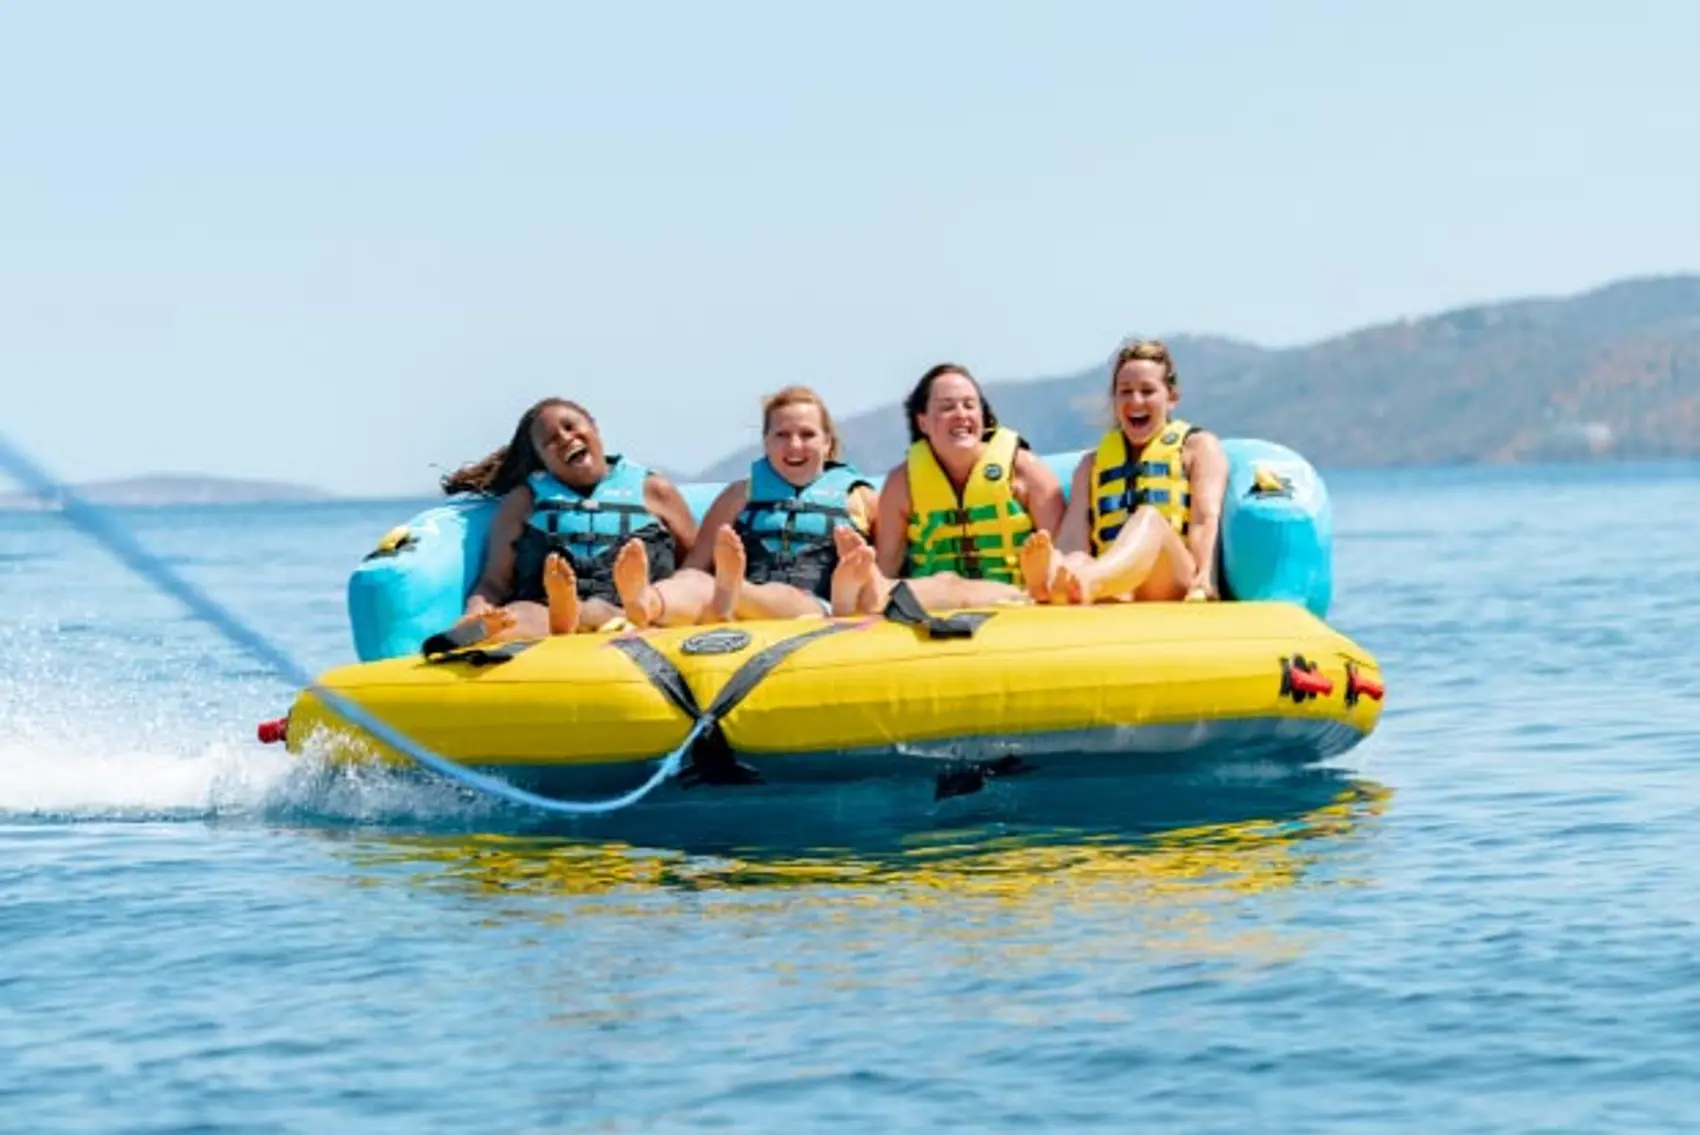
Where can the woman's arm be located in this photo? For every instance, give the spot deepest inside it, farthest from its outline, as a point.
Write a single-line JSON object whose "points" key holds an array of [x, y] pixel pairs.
{"points": [[891, 526], [496, 581], [665, 501], [1207, 470], [724, 510], [1038, 490], [1075, 533]]}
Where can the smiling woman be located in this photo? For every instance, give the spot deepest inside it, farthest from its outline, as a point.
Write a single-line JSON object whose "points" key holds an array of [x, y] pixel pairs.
{"points": [[954, 516], [773, 536], [575, 523], [1145, 507]]}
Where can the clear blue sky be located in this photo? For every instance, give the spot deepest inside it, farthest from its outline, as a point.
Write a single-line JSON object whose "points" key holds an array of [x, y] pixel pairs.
{"points": [[343, 242]]}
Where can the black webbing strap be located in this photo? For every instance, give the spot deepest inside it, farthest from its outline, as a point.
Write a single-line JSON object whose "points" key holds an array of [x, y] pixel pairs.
{"points": [[440, 649], [903, 607], [712, 761]]}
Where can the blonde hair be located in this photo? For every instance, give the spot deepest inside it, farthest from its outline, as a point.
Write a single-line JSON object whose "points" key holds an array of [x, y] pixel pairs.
{"points": [[800, 396], [1145, 351]]}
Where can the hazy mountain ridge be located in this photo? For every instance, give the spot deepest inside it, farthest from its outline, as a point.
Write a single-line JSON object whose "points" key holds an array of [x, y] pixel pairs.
{"points": [[175, 488], [1610, 373]]}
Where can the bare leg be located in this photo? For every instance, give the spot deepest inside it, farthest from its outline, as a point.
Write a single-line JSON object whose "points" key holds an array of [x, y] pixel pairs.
{"points": [[594, 614], [678, 600], [519, 620], [525, 619], [778, 601], [487, 625], [1147, 561], [951, 592], [858, 587]]}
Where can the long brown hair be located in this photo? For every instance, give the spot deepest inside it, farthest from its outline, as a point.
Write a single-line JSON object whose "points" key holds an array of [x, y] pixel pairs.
{"points": [[800, 396], [508, 467], [916, 404]]}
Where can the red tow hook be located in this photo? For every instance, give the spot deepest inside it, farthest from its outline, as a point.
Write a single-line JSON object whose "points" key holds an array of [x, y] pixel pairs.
{"points": [[271, 732], [1301, 679], [1357, 685]]}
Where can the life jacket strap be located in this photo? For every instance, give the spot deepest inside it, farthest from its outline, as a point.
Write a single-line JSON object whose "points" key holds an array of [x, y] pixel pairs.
{"points": [[553, 510]]}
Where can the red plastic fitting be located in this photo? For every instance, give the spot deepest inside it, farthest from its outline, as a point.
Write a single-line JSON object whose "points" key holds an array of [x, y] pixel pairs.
{"points": [[1358, 685]]}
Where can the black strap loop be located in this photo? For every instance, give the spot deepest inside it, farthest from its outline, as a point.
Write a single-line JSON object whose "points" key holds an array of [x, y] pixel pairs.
{"points": [[441, 648], [903, 607]]}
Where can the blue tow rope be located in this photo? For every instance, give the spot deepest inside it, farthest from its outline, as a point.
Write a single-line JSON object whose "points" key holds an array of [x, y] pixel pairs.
{"points": [[108, 532]]}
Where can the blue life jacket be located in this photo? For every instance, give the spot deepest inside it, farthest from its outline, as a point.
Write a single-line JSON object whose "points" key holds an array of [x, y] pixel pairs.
{"points": [[589, 530], [787, 531]]}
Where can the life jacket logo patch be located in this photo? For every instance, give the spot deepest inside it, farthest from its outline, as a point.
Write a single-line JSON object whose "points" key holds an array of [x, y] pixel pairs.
{"points": [[994, 472]]}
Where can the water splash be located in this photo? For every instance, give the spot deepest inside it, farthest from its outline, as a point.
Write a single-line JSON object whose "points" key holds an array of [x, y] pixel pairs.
{"points": [[89, 780], [65, 776]]}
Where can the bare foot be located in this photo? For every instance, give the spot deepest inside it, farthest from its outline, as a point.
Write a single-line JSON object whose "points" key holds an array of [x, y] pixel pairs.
{"points": [[854, 590], [1068, 587], [498, 622], [561, 585], [730, 563], [642, 603], [480, 626], [846, 539], [1037, 555]]}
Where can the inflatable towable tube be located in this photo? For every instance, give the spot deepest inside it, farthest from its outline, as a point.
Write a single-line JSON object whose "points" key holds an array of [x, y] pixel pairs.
{"points": [[1276, 544]]}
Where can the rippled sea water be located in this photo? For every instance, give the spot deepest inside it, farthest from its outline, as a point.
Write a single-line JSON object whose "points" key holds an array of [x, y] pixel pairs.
{"points": [[1487, 917]]}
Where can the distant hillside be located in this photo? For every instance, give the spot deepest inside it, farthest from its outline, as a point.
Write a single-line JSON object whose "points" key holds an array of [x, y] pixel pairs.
{"points": [[1613, 373], [174, 488]]}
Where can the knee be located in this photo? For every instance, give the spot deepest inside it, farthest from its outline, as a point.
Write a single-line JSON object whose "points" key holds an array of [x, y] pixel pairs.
{"points": [[1144, 523]]}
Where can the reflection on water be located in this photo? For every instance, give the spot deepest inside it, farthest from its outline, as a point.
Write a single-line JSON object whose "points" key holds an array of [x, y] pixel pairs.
{"points": [[1163, 857]]}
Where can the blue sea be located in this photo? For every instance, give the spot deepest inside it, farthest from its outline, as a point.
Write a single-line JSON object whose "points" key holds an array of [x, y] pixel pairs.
{"points": [[1485, 918]]}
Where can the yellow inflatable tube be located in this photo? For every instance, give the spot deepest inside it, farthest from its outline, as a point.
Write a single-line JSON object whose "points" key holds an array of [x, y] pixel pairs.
{"points": [[1104, 687]]}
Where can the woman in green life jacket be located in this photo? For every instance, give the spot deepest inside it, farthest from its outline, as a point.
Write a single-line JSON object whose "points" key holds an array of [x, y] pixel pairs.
{"points": [[954, 515]]}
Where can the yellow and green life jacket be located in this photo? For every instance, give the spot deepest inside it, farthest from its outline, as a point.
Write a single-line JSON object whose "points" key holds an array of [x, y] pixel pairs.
{"points": [[978, 533]]}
